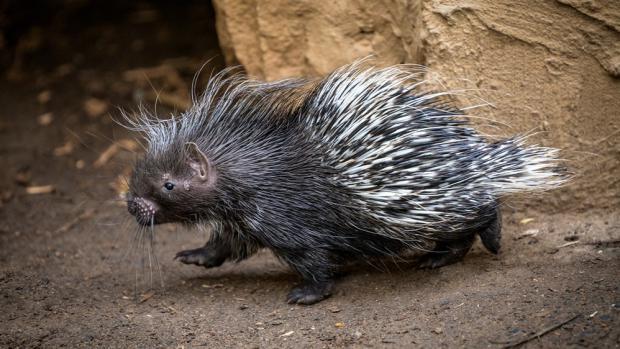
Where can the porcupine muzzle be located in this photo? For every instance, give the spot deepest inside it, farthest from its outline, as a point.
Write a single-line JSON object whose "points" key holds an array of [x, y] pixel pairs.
{"points": [[143, 209]]}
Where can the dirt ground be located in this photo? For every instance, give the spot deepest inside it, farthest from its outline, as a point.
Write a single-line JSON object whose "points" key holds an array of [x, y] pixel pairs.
{"points": [[73, 273]]}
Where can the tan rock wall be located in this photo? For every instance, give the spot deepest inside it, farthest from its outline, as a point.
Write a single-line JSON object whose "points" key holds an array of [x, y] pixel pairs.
{"points": [[550, 66], [281, 38]]}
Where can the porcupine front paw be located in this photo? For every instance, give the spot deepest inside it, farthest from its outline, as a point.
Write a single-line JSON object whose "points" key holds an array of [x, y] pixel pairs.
{"points": [[310, 293], [203, 256]]}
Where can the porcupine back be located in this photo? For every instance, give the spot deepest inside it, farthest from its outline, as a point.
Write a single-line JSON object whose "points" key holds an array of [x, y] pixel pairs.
{"points": [[409, 159]]}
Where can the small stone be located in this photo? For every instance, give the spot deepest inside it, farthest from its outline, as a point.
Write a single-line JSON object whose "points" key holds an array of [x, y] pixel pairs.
{"points": [[526, 220], [22, 177], [45, 119], [41, 189], [64, 149], [44, 96], [94, 107]]}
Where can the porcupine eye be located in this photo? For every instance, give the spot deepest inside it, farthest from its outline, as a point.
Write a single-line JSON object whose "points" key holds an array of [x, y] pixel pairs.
{"points": [[168, 186]]}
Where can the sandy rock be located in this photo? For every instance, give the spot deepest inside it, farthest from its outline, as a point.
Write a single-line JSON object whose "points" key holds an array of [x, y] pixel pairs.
{"points": [[276, 38], [548, 67]]}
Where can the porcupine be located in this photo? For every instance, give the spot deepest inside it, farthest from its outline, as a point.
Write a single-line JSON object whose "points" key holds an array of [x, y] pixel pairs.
{"points": [[358, 165]]}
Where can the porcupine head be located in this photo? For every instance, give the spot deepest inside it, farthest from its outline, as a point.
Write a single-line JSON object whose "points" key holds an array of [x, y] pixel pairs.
{"points": [[172, 187]]}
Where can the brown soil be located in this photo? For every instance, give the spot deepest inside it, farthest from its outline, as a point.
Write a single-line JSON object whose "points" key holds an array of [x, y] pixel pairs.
{"points": [[72, 273]]}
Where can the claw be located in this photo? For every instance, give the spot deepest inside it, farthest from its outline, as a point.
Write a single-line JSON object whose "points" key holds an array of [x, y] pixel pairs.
{"points": [[201, 257]]}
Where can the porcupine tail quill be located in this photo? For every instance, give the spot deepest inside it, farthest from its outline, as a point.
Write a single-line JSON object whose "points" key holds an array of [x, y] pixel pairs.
{"points": [[511, 166], [414, 162]]}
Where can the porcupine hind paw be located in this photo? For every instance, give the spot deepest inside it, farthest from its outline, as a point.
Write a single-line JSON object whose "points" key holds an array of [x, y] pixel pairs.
{"points": [[492, 234], [204, 256], [310, 293], [446, 253]]}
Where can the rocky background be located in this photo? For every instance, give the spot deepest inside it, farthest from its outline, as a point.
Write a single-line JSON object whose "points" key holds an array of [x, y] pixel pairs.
{"points": [[546, 67]]}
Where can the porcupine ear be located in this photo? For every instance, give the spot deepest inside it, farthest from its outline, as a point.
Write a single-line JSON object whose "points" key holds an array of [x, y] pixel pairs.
{"points": [[200, 163]]}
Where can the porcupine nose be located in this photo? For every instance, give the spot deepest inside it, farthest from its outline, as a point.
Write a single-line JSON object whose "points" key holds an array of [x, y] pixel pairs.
{"points": [[142, 209]]}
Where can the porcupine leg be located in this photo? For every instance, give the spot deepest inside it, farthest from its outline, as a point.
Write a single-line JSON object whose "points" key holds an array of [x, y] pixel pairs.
{"points": [[310, 292], [317, 272], [213, 254], [448, 252], [492, 234]]}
